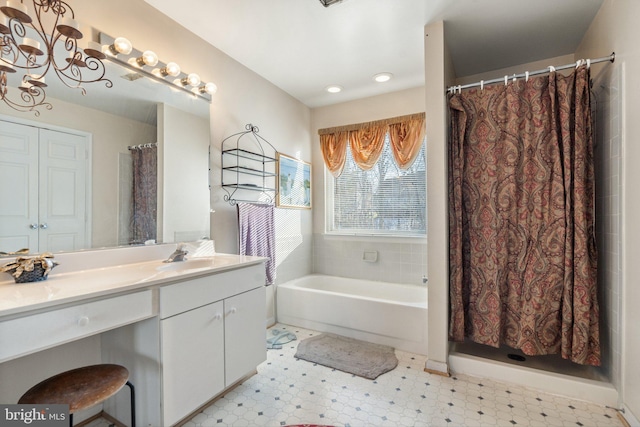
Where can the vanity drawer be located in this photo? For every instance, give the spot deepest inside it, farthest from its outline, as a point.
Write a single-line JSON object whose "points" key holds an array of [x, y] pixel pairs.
{"points": [[29, 334], [185, 296]]}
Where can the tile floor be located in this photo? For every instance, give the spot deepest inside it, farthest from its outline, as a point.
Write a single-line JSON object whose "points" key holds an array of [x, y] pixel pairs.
{"points": [[290, 391]]}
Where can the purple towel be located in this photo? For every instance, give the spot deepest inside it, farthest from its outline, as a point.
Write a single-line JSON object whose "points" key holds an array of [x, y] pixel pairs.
{"points": [[257, 233]]}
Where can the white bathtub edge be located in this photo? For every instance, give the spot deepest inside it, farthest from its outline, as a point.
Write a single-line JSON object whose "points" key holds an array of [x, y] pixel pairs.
{"points": [[558, 384]]}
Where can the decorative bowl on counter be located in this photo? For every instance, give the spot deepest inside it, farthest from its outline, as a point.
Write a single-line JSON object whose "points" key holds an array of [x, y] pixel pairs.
{"points": [[30, 269]]}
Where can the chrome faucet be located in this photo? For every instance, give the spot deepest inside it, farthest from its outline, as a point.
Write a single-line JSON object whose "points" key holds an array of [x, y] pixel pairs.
{"points": [[178, 254]]}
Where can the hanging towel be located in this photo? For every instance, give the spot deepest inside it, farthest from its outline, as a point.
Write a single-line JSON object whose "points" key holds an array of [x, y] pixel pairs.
{"points": [[257, 234]]}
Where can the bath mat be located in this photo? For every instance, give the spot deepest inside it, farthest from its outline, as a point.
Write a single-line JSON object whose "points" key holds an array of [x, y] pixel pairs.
{"points": [[348, 355]]}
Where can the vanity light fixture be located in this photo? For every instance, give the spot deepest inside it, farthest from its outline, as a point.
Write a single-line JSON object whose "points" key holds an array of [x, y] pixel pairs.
{"points": [[51, 45], [382, 77], [168, 73]]}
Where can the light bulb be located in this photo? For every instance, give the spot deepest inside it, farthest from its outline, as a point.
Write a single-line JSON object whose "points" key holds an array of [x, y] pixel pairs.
{"points": [[209, 88], [171, 69], [191, 80], [148, 58], [121, 45], [333, 89]]}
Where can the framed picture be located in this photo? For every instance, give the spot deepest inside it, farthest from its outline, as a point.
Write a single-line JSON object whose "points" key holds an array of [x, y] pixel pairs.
{"points": [[294, 183]]}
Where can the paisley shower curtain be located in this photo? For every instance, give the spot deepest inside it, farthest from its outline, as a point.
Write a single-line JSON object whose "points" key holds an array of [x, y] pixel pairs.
{"points": [[145, 183], [521, 217]]}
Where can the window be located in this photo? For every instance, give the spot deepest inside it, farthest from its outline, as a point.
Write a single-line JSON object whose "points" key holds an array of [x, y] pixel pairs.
{"points": [[384, 200]]}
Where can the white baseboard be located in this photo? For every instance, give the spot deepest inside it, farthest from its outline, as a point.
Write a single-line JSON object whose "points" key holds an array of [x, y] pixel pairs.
{"points": [[629, 417]]}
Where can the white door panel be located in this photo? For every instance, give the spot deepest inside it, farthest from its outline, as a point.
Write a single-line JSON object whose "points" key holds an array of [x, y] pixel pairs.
{"points": [[18, 186], [43, 191], [62, 205]]}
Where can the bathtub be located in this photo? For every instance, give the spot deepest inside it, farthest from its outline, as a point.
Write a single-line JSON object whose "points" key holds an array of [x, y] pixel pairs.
{"points": [[378, 312]]}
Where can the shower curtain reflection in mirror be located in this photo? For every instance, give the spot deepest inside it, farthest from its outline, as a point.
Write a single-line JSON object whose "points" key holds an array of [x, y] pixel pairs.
{"points": [[143, 222], [521, 217]]}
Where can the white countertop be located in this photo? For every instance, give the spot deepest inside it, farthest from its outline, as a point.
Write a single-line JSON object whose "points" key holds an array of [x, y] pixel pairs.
{"points": [[75, 286]]}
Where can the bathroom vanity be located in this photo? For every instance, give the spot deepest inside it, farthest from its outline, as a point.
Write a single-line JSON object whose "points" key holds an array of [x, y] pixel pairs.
{"points": [[187, 331]]}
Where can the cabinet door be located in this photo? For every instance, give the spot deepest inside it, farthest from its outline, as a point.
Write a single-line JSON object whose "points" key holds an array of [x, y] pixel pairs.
{"points": [[245, 338], [192, 360]]}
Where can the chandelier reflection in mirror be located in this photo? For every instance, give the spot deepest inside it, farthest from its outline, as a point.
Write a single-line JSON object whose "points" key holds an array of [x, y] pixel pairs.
{"points": [[42, 41]]}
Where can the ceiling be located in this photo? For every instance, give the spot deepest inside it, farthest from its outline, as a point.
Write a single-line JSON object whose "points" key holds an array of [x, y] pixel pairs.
{"points": [[303, 47]]}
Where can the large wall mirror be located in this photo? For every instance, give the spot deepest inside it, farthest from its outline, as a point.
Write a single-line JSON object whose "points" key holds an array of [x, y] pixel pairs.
{"points": [[46, 193]]}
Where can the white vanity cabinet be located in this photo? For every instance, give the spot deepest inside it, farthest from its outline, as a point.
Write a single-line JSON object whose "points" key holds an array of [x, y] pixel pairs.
{"points": [[212, 334]]}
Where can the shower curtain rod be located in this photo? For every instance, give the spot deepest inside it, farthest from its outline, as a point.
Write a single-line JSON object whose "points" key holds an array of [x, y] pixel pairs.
{"points": [[526, 75], [140, 146]]}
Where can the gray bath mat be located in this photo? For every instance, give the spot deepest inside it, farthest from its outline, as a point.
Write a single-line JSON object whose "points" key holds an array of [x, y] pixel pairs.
{"points": [[347, 354]]}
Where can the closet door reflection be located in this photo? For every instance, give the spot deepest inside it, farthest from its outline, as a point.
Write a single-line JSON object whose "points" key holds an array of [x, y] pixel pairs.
{"points": [[43, 193]]}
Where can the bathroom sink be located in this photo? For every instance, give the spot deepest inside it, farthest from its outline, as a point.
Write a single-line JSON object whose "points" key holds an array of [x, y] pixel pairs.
{"points": [[196, 263]]}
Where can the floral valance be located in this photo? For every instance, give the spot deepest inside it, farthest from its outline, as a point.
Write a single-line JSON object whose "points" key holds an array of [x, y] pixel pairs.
{"points": [[406, 134]]}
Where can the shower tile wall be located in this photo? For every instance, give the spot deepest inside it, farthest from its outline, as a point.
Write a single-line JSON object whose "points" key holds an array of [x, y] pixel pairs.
{"points": [[397, 262], [608, 215]]}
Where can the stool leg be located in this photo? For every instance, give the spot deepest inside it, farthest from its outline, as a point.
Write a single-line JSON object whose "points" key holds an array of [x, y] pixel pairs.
{"points": [[133, 404], [70, 420]]}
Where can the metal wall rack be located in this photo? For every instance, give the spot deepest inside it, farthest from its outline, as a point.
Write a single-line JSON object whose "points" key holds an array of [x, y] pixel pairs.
{"points": [[246, 168]]}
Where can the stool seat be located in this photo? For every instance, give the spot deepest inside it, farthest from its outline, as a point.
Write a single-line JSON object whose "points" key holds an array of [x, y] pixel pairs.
{"points": [[82, 388], [79, 388]]}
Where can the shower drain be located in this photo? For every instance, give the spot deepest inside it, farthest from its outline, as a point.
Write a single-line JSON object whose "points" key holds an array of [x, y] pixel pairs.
{"points": [[516, 357]]}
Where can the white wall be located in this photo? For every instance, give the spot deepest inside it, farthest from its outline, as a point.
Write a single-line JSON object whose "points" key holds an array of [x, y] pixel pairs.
{"points": [[615, 28], [183, 202], [400, 260]]}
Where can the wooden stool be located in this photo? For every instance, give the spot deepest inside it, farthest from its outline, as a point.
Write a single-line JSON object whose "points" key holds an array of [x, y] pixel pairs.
{"points": [[82, 388]]}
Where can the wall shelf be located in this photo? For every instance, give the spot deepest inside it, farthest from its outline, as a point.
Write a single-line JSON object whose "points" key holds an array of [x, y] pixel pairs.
{"points": [[245, 166]]}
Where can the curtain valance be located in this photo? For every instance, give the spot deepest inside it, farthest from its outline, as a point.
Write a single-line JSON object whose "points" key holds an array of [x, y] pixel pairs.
{"points": [[406, 134]]}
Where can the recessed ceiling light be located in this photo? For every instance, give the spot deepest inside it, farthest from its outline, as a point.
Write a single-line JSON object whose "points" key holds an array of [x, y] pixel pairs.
{"points": [[333, 89], [382, 77]]}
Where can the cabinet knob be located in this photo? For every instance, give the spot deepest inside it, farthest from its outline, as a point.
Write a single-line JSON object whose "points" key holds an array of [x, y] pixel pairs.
{"points": [[33, 226], [83, 321], [217, 316], [44, 226], [233, 310]]}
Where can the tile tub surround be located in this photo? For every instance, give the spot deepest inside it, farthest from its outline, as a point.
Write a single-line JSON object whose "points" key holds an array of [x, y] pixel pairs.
{"points": [[288, 391], [399, 260]]}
